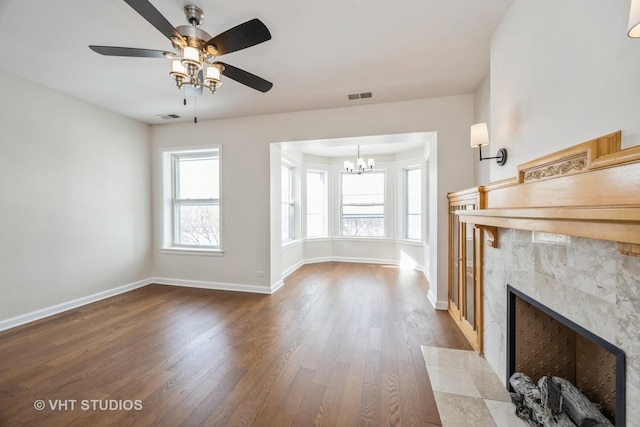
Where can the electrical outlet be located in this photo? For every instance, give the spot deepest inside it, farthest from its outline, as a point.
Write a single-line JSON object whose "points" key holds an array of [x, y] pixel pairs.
{"points": [[260, 273]]}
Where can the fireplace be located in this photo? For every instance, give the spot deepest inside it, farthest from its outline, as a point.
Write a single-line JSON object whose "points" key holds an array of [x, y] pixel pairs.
{"points": [[542, 342]]}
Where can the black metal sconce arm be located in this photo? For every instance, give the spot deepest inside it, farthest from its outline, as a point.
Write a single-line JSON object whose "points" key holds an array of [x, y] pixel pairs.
{"points": [[502, 156]]}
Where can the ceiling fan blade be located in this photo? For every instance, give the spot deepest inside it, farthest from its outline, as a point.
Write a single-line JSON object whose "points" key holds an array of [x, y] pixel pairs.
{"points": [[131, 51], [246, 78], [155, 18], [242, 36]]}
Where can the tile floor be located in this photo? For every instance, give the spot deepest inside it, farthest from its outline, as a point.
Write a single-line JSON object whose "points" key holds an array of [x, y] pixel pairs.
{"points": [[467, 391]]}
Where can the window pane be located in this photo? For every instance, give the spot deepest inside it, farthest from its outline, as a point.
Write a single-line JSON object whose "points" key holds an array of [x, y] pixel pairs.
{"points": [[376, 210], [413, 218], [363, 204], [288, 208], [198, 225], [198, 177], [286, 223], [414, 205], [316, 204], [286, 184], [363, 226], [316, 226], [315, 192], [361, 185], [414, 227]]}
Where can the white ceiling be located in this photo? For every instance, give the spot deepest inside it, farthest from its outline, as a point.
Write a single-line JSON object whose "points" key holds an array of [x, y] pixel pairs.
{"points": [[320, 51], [369, 145]]}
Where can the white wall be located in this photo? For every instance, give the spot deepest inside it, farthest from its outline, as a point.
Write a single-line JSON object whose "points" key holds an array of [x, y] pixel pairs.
{"points": [[562, 73], [246, 207], [482, 114], [75, 186]]}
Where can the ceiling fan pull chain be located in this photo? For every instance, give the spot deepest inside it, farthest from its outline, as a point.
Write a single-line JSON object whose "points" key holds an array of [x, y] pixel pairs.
{"points": [[195, 107]]}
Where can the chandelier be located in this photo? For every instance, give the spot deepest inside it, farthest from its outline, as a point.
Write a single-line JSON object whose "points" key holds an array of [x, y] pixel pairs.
{"points": [[360, 167], [194, 64]]}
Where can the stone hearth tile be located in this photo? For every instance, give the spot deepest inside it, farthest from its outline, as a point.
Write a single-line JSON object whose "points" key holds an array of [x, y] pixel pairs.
{"points": [[490, 386], [452, 358], [451, 380], [463, 411], [503, 413]]}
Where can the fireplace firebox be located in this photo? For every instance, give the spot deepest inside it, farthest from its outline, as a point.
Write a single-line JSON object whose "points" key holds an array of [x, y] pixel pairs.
{"points": [[542, 342]]}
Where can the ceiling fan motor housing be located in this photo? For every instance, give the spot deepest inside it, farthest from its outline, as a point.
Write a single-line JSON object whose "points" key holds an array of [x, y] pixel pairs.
{"points": [[194, 14]]}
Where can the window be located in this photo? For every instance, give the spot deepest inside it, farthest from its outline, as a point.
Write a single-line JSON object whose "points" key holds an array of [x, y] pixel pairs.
{"points": [[362, 204], [288, 204], [195, 199], [413, 203], [317, 204]]}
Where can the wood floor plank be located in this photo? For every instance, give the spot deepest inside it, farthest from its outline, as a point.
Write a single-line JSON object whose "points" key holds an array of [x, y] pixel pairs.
{"points": [[338, 345]]}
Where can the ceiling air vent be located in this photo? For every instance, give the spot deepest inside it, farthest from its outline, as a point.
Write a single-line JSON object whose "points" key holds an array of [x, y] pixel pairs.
{"points": [[362, 95], [168, 116]]}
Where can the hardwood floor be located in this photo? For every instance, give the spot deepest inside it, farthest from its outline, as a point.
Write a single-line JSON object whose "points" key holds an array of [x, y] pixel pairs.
{"points": [[338, 345]]}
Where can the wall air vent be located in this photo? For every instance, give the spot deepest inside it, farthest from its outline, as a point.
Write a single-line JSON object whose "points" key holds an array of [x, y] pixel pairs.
{"points": [[362, 95], [168, 116]]}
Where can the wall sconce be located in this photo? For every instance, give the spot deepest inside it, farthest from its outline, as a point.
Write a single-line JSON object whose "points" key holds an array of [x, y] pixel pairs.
{"points": [[634, 19], [480, 138]]}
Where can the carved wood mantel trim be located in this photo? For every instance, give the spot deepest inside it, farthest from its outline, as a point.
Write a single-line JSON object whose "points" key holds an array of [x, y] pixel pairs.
{"points": [[589, 190]]}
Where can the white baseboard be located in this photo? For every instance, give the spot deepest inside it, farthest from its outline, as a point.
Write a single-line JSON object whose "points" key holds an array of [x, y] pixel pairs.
{"points": [[365, 260], [299, 264], [276, 286], [426, 274], [438, 305], [59, 308], [315, 260], [219, 286], [290, 270]]}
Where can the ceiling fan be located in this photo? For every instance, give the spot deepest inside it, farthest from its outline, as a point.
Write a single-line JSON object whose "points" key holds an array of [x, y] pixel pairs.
{"points": [[195, 51]]}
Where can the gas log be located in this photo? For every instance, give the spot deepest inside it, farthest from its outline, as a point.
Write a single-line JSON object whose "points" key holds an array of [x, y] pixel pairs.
{"points": [[554, 402]]}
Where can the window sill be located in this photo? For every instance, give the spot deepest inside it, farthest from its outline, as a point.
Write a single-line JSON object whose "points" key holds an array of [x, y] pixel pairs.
{"points": [[364, 238], [411, 242], [192, 251]]}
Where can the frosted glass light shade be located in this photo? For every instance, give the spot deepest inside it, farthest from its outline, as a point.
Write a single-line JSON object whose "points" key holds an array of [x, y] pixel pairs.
{"points": [[177, 69], [371, 163], [191, 56], [634, 19], [213, 74], [479, 135]]}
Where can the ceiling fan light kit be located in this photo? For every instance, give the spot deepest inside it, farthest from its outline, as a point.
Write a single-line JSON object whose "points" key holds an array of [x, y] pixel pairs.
{"points": [[194, 60]]}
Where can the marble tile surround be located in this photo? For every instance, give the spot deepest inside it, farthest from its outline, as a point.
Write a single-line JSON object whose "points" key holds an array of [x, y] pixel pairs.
{"points": [[587, 280], [467, 391]]}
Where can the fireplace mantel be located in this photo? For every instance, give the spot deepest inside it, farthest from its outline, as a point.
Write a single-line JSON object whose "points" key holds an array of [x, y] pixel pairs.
{"points": [[588, 190]]}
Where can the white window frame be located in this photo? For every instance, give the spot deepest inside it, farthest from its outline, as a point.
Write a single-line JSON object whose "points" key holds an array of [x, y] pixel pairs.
{"points": [[172, 202]]}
